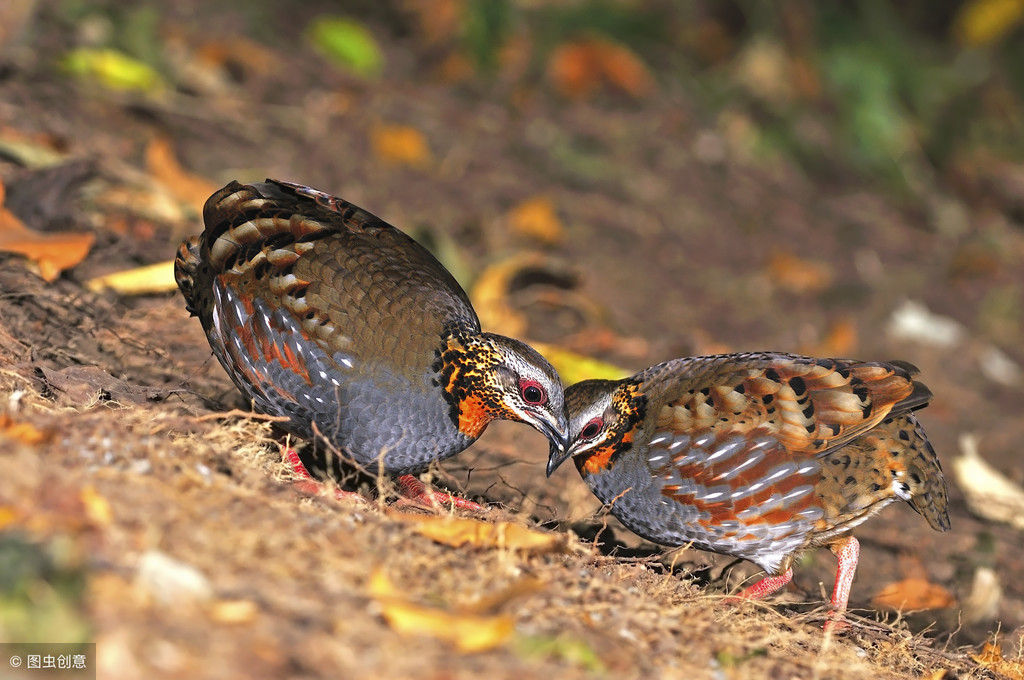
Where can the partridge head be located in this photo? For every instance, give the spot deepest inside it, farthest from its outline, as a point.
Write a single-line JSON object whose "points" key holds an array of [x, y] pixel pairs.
{"points": [[327, 315], [757, 455]]}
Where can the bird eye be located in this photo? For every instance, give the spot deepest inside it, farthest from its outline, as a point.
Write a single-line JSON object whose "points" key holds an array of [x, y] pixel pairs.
{"points": [[591, 429], [532, 392]]}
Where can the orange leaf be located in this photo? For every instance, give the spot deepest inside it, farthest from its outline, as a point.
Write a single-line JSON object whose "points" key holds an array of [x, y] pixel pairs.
{"points": [[536, 218], [25, 433], [992, 657], [913, 594], [186, 187], [52, 253], [625, 70], [400, 145], [577, 68], [798, 275]]}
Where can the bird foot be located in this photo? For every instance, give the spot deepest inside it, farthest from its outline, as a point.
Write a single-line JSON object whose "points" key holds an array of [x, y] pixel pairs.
{"points": [[413, 490], [763, 588], [410, 489], [308, 485]]}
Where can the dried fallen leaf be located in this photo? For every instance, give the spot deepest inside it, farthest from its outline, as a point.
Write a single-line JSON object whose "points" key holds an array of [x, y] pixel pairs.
{"points": [[990, 494], [52, 253], [982, 603], [984, 22], [400, 145], [467, 632], [798, 275], [154, 278], [233, 611], [991, 656], [494, 286], [578, 68], [186, 187], [536, 218], [26, 433], [460, 531], [913, 594], [97, 509]]}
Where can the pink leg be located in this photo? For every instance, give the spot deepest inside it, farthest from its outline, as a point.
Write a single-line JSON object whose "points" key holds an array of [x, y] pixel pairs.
{"points": [[307, 484], [764, 587], [409, 488], [414, 490], [847, 551]]}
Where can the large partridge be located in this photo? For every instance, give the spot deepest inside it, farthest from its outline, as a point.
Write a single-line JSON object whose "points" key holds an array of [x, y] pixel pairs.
{"points": [[758, 455], [327, 315]]}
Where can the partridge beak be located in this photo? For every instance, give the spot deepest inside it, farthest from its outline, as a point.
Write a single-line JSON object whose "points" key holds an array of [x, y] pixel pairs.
{"points": [[557, 455], [557, 432]]}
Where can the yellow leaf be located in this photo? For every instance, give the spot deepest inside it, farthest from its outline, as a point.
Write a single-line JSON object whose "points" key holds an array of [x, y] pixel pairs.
{"points": [[573, 367], [466, 632], [984, 22], [8, 516], [233, 611], [400, 145], [460, 531], [154, 278], [186, 187], [536, 218], [112, 69], [913, 594], [97, 509]]}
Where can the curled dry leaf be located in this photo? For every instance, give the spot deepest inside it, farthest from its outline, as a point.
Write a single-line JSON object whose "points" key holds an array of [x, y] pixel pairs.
{"points": [[495, 285], [990, 494], [461, 531], [466, 632], [188, 188], [913, 594], [154, 278]]}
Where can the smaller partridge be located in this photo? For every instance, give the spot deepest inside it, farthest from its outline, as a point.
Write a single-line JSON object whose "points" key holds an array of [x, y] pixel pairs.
{"points": [[757, 455], [332, 318]]}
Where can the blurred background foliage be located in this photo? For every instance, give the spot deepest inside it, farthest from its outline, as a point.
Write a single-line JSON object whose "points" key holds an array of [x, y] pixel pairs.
{"points": [[913, 94]]}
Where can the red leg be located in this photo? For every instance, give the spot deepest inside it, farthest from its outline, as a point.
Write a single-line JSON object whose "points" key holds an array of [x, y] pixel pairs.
{"points": [[306, 483], [847, 551], [764, 587], [414, 490]]}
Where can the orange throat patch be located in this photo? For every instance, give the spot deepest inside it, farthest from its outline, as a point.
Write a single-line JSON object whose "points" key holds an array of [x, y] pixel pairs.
{"points": [[599, 460], [473, 416]]}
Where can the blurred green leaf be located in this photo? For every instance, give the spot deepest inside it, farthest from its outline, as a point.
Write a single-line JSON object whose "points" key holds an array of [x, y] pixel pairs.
{"points": [[348, 44], [571, 650]]}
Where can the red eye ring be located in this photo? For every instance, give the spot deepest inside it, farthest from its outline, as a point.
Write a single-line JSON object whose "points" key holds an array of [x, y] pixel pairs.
{"points": [[533, 392], [592, 428]]}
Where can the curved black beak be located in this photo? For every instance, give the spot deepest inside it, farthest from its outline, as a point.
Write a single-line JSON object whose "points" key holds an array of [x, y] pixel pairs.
{"points": [[557, 432], [557, 454]]}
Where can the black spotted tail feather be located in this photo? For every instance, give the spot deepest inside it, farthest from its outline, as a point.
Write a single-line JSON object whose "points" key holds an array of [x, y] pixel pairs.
{"points": [[924, 473], [186, 266]]}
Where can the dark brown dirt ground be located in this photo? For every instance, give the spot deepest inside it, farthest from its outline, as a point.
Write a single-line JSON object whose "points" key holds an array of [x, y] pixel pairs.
{"points": [[670, 251]]}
